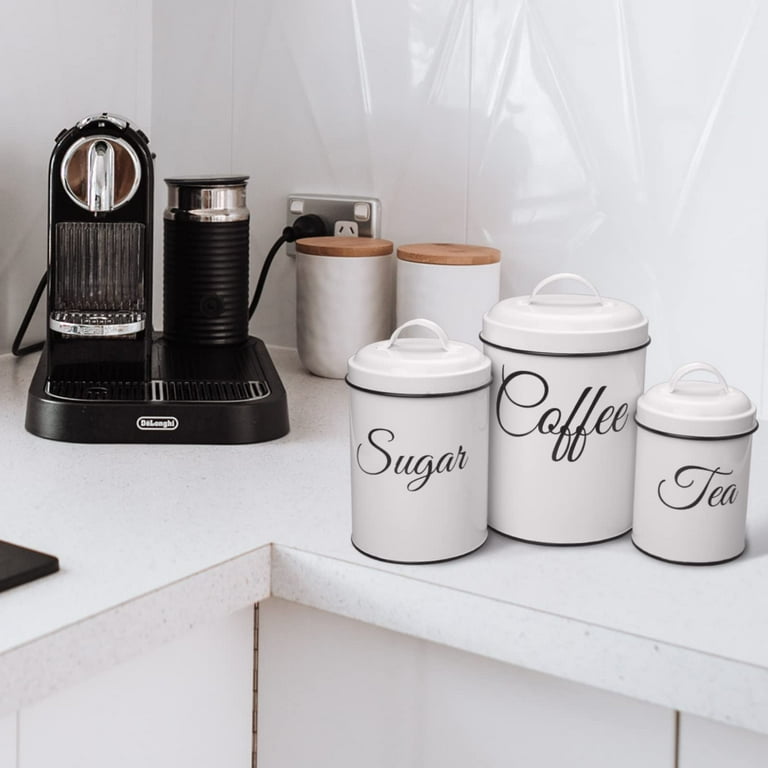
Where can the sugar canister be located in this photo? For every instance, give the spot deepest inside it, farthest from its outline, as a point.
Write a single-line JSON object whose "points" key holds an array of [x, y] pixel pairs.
{"points": [[419, 446], [693, 458], [345, 299], [567, 372]]}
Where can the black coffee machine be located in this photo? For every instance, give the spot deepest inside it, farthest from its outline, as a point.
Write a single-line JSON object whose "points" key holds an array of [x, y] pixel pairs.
{"points": [[104, 376]]}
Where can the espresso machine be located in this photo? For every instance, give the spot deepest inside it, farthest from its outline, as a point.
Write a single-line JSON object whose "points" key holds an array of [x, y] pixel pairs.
{"points": [[104, 375]]}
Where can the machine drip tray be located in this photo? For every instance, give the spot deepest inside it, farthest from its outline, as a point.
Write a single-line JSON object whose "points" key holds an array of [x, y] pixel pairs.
{"points": [[208, 391], [196, 395], [159, 391]]}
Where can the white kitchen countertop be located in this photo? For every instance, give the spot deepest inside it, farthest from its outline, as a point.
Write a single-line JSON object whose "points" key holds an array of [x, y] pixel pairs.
{"points": [[154, 540]]}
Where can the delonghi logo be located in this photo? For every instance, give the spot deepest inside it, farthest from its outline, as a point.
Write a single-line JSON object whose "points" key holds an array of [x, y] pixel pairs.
{"points": [[157, 423]]}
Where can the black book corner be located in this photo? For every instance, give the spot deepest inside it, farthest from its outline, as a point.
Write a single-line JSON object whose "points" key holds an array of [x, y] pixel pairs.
{"points": [[18, 565]]}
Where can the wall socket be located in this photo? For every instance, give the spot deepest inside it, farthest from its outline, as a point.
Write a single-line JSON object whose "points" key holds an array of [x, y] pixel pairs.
{"points": [[344, 216]]}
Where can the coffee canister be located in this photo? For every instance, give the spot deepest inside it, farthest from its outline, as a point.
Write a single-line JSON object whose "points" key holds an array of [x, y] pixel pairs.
{"points": [[567, 372], [419, 446], [694, 445], [345, 299], [450, 283]]}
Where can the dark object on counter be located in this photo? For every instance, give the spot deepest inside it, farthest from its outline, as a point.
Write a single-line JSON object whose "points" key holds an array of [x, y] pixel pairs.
{"points": [[18, 565], [105, 376], [205, 235]]}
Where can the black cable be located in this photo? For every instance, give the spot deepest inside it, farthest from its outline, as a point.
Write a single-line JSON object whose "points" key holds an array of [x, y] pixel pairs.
{"points": [[263, 274], [16, 348], [309, 225]]}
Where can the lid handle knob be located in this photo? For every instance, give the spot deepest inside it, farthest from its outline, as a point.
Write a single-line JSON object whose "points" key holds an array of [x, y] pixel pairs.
{"points": [[684, 370], [564, 276], [422, 323]]}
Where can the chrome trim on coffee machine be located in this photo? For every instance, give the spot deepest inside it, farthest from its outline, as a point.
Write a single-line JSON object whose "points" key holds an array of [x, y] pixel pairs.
{"points": [[97, 324], [104, 117]]}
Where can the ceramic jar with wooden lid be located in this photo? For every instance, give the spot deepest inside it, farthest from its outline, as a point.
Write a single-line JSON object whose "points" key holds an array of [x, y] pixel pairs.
{"points": [[345, 295], [452, 284]]}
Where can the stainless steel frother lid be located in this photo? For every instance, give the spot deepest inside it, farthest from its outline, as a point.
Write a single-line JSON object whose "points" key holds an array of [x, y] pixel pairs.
{"points": [[207, 198]]}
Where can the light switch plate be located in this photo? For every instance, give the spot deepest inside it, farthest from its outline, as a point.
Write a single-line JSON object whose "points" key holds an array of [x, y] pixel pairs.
{"points": [[342, 214]]}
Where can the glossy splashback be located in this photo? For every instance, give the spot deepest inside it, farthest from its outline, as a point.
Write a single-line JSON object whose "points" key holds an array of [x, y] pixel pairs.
{"points": [[624, 140], [621, 139]]}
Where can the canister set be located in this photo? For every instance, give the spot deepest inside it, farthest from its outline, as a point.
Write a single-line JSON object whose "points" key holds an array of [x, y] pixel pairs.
{"points": [[545, 436]]}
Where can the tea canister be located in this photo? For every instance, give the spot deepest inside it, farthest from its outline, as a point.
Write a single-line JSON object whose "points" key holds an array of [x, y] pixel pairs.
{"points": [[419, 446], [567, 372], [345, 299], [450, 283], [693, 455]]}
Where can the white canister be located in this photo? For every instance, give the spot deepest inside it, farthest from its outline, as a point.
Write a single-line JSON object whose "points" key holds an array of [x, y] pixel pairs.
{"points": [[693, 453], [419, 447], [567, 372], [452, 284], [345, 294]]}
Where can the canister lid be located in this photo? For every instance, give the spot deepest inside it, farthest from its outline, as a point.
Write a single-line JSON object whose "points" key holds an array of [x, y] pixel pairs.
{"points": [[449, 254], [695, 408], [344, 246], [419, 366], [565, 323]]}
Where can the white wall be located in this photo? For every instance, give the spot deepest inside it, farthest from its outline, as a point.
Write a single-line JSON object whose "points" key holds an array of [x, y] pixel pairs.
{"points": [[621, 139]]}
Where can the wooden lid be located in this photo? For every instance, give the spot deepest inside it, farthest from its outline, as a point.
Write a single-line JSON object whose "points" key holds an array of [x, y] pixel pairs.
{"points": [[454, 254], [344, 246]]}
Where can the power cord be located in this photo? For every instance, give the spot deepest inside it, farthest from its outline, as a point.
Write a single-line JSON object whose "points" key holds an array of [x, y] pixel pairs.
{"points": [[309, 225], [16, 347]]}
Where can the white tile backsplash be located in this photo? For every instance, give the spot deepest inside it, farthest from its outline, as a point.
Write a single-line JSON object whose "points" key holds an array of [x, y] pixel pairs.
{"points": [[613, 140], [623, 140], [619, 140], [351, 97]]}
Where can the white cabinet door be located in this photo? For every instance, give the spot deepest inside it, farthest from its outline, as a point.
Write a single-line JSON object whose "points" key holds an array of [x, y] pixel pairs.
{"points": [[707, 744], [8, 741], [338, 692], [188, 703]]}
